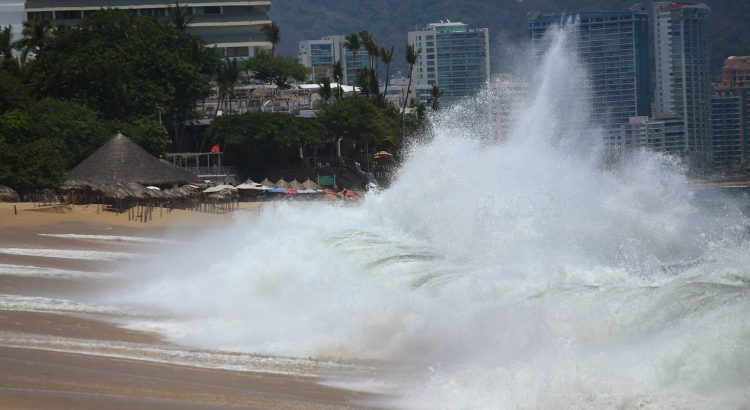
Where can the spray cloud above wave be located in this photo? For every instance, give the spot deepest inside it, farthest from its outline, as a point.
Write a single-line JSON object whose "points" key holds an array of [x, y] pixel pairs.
{"points": [[521, 272]]}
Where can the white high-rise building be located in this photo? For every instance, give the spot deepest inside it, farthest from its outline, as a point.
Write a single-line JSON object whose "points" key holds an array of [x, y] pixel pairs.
{"points": [[232, 26], [453, 56], [683, 72]]}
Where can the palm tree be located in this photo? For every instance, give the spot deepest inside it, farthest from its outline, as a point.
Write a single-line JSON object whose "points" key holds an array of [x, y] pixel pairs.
{"points": [[435, 95], [372, 49], [227, 76], [386, 56], [273, 34], [325, 88], [411, 59], [179, 18], [36, 34], [338, 76], [8, 61], [352, 43]]}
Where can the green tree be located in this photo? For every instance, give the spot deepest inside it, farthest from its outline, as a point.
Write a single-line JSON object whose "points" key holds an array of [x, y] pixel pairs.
{"points": [[179, 18], [36, 33], [13, 94], [273, 34], [411, 59], [373, 51], [338, 77], [352, 43], [8, 61], [325, 88], [276, 69], [227, 77], [357, 118], [125, 66], [386, 56], [146, 132], [435, 93], [259, 141], [75, 129], [36, 149]]}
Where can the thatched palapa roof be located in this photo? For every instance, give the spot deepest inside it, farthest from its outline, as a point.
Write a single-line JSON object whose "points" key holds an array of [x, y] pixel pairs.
{"points": [[8, 194], [308, 184], [295, 184], [122, 161]]}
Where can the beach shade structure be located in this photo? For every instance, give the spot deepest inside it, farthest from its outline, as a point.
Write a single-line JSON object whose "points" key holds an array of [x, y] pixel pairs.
{"points": [[296, 185], [224, 189], [277, 190], [349, 193], [382, 155], [281, 183], [250, 186], [292, 191], [122, 169], [121, 161], [310, 185], [8, 194], [268, 184]]}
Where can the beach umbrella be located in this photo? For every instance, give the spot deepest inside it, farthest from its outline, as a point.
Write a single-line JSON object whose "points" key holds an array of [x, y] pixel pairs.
{"points": [[295, 184], [281, 183], [292, 191], [308, 184], [268, 184]]}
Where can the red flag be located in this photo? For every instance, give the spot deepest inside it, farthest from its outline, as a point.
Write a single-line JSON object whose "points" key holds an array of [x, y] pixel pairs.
{"points": [[215, 149]]}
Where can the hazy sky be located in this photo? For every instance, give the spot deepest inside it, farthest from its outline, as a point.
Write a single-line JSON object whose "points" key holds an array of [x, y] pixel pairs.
{"points": [[11, 12]]}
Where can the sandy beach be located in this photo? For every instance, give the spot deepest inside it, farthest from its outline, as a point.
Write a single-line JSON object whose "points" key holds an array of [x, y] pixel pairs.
{"points": [[71, 355]]}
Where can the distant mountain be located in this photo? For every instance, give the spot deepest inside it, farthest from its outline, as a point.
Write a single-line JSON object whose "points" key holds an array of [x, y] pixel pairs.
{"points": [[390, 20]]}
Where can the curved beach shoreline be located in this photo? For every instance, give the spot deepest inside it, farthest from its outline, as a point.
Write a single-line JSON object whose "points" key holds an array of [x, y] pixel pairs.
{"points": [[60, 356]]}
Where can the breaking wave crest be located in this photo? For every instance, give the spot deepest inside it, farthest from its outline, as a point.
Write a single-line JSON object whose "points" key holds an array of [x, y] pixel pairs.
{"points": [[518, 270]]}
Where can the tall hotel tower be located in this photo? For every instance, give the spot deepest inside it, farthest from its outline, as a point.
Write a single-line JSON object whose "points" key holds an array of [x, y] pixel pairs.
{"points": [[683, 76], [453, 56], [613, 45], [233, 26]]}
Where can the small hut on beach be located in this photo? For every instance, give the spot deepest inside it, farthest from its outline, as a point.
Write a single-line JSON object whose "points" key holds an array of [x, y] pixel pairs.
{"points": [[121, 171], [8, 194]]}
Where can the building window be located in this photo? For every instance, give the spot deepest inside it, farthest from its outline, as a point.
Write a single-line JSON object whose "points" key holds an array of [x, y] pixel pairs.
{"points": [[68, 15], [160, 12], [40, 15], [237, 52], [212, 10]]}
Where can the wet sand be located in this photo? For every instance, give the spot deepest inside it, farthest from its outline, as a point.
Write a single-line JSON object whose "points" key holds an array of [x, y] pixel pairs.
{"points": [[40, 377]]}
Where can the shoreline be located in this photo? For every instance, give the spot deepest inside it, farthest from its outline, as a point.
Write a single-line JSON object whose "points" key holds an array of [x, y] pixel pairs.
{"points": [[53, 357]]}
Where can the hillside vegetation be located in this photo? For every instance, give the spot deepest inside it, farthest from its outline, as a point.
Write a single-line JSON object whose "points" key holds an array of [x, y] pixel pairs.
{"points": [[390, 20]]}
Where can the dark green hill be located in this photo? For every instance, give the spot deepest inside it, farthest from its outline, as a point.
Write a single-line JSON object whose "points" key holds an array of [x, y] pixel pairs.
{"points": [[390, 20]]}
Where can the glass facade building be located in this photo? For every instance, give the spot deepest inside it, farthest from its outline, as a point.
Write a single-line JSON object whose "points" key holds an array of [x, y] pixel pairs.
{"points": [[683, 72], [453, 56], [730, 113], [665, 133], [319, 57], [232, 26], [726, 129], [614, 48]]}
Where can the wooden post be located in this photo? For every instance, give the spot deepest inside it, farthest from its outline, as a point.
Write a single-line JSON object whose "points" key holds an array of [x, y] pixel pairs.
{"points": [[15, 210]]}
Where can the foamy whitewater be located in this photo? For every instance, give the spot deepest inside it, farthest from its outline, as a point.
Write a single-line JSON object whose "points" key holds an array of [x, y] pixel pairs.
{"points": [[521, 273]]}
